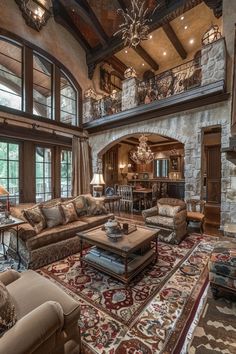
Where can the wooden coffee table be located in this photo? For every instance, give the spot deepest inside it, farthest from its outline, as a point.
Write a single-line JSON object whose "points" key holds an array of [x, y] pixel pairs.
{"points": [[124, 258]]}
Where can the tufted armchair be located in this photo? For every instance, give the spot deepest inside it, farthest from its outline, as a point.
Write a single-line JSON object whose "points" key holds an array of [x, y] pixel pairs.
{"points": [[170, 216]]}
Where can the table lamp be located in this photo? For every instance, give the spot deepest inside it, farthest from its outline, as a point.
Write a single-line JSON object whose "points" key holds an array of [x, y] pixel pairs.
{"points": [[4, 192], [97, 183]]}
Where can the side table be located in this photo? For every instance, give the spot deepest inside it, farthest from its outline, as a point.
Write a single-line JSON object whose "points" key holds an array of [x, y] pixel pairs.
{"points": [[4, 226]]}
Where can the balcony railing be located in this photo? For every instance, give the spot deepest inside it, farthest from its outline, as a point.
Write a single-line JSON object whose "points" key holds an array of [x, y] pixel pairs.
{"points": [[208, 66]]}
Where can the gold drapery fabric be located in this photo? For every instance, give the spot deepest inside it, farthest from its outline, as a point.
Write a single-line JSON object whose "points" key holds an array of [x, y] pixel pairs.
{"points": [[81, 176]]}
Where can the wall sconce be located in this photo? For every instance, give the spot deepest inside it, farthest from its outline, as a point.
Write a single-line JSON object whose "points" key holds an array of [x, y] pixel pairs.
{"points": [[35, 12]]}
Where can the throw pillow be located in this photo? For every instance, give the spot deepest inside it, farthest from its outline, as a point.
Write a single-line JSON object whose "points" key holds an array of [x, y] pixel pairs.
{"points": [[53, 215], [7, 310], [96, 207], [168, 210], [35, 218], [69, 212], [80, 204]]}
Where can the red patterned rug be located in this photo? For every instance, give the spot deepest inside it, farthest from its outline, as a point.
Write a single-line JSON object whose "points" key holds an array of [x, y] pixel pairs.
{"points": [[152, 315]]}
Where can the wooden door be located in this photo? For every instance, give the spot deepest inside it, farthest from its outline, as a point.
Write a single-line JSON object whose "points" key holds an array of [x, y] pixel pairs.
{"points": [[213, 174]]}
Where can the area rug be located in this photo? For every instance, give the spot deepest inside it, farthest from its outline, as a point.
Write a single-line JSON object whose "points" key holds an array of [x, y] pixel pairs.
{"points": [[153, 313], [216, 330]]}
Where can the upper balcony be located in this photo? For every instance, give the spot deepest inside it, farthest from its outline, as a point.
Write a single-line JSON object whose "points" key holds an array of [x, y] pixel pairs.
{"points": [[198, 82]]}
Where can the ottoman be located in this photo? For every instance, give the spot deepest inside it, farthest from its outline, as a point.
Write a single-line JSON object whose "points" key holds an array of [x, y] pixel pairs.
{"points": [[222, 269]]}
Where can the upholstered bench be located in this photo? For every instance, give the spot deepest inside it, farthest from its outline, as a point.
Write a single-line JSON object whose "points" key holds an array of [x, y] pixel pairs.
{"points": [[222, 269]]}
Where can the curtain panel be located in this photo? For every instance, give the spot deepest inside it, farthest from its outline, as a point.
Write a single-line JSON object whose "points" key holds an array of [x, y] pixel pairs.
{"points": [[81, 175]]}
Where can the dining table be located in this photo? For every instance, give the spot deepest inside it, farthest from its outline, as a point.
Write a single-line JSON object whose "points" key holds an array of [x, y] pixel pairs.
{"points": [[145, 194]]}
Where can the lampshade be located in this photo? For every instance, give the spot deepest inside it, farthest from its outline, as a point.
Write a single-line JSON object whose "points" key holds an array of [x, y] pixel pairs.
{"points": [[97, 179], [3, 191]]}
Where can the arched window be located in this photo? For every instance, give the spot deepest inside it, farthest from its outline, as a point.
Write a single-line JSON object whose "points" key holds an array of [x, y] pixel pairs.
{"points": [[46, 89]]}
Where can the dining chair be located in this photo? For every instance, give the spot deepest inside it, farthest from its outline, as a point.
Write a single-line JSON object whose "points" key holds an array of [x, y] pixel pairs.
{"points": [[195, 212], [127, 199]]}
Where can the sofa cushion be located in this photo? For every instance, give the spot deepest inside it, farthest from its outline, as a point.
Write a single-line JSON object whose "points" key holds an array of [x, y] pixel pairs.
{"points": [[223, 259], [164, 221], [53, 215], [18, 211], [35, 218], [96, 206], [168, 210], [51, 202], [81, 205], [7, 310], [32, 290], [56, 234], [173, 202], [69, 213], [93, 221]]}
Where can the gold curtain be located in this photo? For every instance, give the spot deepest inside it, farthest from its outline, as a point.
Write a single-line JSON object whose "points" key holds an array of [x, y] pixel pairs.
{"points": [[80, 166]]}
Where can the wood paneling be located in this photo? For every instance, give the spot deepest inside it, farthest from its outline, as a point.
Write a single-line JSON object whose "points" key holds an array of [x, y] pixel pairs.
{"points": [[110, 166]]}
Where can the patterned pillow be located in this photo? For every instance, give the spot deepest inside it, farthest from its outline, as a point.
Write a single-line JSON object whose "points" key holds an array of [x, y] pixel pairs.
{"points": [[81, 205], [69, 212], [7, 310], [96, 207], [168, 210], [53, 215], [35, 218]]}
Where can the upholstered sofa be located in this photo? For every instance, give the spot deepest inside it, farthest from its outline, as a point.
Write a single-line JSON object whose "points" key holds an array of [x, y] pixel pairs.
{"points": [[51, 243], [42, 317], [169, 215]]}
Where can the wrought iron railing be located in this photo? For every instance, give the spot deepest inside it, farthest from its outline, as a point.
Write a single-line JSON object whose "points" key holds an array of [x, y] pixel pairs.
{"points": [[107, 105], [171, 82]]}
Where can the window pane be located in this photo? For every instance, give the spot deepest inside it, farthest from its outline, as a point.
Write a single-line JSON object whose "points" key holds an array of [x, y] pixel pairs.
{"points": [[10, 74], [9, 170], [68, 101], [42, 86], [43, 174], [66, 173]]}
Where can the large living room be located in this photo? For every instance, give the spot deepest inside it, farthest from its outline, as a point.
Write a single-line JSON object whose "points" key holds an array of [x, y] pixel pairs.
{"points": [[117, 177]]}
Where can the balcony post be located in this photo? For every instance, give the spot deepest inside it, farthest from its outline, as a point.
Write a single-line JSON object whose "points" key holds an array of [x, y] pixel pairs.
{"points": [[213, 62], [129, 90]]}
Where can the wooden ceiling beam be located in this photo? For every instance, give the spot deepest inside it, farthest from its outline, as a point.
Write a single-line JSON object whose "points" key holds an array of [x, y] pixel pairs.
{"points": [[62, 17], [117, 64], [86, 12], [145, 56], [174, 40]]}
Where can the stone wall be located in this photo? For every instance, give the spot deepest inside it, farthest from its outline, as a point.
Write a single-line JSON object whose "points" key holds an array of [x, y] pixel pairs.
{"points": [[185, 127]]}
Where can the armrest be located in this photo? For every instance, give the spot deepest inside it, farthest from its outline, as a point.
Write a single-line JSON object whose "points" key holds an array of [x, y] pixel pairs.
{"points": [[33, 329], [25, 231], [180, 217], [9, 276], [150, 212]]}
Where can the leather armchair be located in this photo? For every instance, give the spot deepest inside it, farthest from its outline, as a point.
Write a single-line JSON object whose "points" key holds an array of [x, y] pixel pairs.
{"points": [[169, 215], [47, 318]]}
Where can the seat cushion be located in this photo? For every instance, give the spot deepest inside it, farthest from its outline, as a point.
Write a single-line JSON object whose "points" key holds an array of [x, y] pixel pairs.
{"points": [[31, 290], [93, 221], [56, 234], [160, 221], [7, 310], [168, 210], [195, 216]]}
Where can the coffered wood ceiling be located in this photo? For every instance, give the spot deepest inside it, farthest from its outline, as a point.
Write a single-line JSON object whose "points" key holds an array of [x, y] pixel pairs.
{"points": [[93, 23]]}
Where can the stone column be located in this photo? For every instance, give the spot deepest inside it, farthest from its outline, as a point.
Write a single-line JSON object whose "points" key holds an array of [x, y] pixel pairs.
{"points": [[213, 62], [129, 93]]}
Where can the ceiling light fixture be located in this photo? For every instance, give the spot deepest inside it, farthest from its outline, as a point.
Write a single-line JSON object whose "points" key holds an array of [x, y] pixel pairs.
{"points": [[150, 36], [185, 27], [182, 18], [143, 154], [135, 27], [164, 53], [191, 41], [35, 12], [142, 64], [126, 51]]}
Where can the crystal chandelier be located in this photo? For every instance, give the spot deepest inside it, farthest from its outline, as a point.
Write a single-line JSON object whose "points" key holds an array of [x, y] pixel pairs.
{"points": [[135, 27], [35, 12], [143, 153]]}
